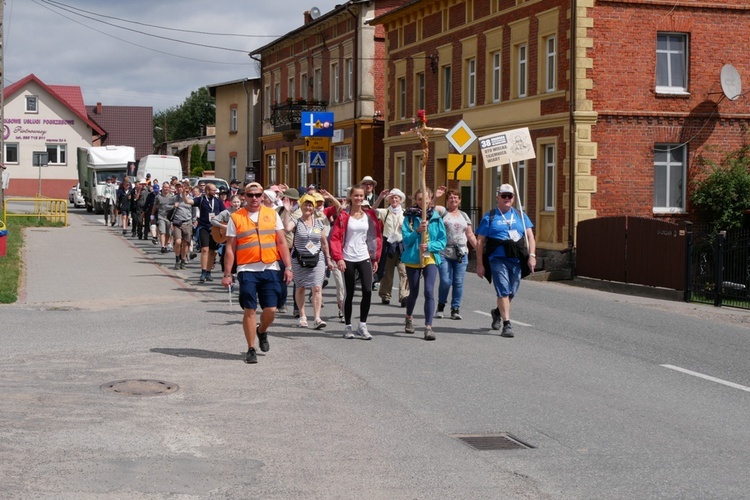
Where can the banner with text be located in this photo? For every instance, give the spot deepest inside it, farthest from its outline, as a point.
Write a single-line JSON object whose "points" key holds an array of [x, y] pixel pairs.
{"points": [[506, 147]]}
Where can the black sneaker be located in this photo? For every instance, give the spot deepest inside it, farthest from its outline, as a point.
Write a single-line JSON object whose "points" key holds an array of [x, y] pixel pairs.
{"points": [[193, 255], [177, 264], [263, 341], [183, 264], [440, 311], [250, 357], [163, 249], [385, 301], [497, 320], [507, 331], [455, 314], [296, 314], [208, 277], [202, 279]]}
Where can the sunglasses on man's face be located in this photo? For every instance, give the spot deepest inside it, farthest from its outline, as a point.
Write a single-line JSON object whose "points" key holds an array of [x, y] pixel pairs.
{"points": [[506, 196], [253, 195]]}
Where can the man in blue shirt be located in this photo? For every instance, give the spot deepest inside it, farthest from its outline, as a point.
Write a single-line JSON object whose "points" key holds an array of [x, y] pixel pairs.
{"points": [[498, 231]]}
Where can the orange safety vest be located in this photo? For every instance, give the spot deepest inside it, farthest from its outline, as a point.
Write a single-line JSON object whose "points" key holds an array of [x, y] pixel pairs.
{"points": [[256, 242]]}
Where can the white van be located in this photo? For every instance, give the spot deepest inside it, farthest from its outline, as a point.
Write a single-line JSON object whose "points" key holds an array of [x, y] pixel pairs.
{"points": [[161, 167]]}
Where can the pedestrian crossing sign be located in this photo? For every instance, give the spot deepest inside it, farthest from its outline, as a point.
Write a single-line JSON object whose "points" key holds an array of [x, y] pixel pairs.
{"points": [[318, 159]]}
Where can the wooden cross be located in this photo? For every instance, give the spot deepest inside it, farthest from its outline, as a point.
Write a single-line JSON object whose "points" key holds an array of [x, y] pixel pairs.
{"points": [[422, 131]]}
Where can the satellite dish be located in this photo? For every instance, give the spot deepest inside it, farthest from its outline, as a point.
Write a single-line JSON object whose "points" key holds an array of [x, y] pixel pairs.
{"points": [[315, 12], [731, 83]]}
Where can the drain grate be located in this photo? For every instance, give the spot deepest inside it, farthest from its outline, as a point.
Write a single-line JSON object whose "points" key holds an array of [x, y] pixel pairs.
{"points": [[486, 442], [139, 387]]}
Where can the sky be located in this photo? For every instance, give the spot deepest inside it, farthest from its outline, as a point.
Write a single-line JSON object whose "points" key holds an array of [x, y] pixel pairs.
{"points": [[79, 42]]}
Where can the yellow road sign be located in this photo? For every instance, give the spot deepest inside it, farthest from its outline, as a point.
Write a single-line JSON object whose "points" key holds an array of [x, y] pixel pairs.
{"points": [[317, 143], [459, 167]]}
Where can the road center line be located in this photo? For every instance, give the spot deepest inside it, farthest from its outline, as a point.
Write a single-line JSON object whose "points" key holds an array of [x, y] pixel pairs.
{"points": [[708, 377], [513, 320]]}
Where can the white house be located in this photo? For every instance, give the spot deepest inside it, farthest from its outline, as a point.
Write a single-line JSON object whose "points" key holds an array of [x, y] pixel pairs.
{"points": [[44, 118]]}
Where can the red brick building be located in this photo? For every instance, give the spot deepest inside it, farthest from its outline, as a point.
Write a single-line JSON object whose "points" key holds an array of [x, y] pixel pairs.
{"points": [[334, 62], [620, 114]]}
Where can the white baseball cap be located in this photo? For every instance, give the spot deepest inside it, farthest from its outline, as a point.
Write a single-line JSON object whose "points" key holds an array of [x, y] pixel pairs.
{"points": [[506, 188]]}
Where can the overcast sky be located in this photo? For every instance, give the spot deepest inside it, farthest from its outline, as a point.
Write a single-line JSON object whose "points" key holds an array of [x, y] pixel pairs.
{"points": [[53, 40]]}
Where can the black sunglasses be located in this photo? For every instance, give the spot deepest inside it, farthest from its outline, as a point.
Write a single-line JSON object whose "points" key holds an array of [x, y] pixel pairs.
{"points": [[506, 196], [253, 195]]}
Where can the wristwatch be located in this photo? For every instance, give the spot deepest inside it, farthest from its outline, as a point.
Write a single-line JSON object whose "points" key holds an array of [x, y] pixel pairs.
{"points": [[532, 255]]}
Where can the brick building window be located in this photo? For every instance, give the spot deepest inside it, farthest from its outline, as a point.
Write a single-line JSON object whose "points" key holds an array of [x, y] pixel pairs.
{"points": [[271, 167], [303, 83], [301, 168], [318, 84], [335, 96], [400, 180], [291, 88], [401, 99], [523, 73], [549, 177], [349, 80], [419, 81], [671, 63], [285, 166], [496, 75], [471, 82], [447, 87], [551, 66], [670, 167], [267, 103]]}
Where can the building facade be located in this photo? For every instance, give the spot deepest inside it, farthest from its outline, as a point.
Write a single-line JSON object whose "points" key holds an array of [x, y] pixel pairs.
{"points": [[44, 118], [237, 148], [334, 63], [622, 99], [125, 126]]}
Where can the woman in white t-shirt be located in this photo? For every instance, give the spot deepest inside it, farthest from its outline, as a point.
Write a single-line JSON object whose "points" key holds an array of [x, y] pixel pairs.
{"points": [[355, 248]]}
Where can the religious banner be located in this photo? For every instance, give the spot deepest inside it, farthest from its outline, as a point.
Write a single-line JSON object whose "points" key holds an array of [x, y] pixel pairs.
{"points": [[506, 147]]}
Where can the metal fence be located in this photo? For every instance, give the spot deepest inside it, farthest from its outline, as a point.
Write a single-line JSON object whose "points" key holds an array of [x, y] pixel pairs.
{"points": [[49, 208]]}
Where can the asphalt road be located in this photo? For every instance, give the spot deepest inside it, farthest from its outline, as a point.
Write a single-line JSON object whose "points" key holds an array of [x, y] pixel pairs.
{"points": [[609, 390]]}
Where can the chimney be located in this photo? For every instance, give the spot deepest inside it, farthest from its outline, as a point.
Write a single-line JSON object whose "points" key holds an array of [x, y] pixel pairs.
{"points": [[308, 17], [98, 108]]}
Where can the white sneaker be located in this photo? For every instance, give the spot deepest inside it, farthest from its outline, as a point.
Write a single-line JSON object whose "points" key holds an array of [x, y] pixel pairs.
{"points": [[302, 322], [348, 332], [319, 324], [363, 333]]}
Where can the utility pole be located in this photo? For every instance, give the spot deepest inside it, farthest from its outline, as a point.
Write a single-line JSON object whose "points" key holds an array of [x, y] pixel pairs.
{"points": [[2, 102]]}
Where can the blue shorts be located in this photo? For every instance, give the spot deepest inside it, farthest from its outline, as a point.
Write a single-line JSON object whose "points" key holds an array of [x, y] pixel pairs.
{"points": [[263, 287], [506, 276]]}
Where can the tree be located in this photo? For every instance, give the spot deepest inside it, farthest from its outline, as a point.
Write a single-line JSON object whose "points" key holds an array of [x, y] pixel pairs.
{"points": [[189, 119], [196, 161], [724, 194]]}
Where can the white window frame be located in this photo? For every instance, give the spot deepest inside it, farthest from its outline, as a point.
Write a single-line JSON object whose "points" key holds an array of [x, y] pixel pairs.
{"points": [[8, 146], [521, 178], [420, 90], [303, 84], [665, 169], [447, 87], [471, 82], [318, 84], [291, 88], [60, 153], [666, 56], [401, 99], [31, 104], [271, 168], [335, 93], [349, 83], [523, 70], [267, 95], [496, 76], [285, 167], [549, 166], [551, 60], [233, 167], [301, 168], [401, 174], [232, 120], [342, 169]]}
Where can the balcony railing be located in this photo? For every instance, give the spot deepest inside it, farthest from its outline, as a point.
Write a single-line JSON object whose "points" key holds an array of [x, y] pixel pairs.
{"points": [[288, 115]]}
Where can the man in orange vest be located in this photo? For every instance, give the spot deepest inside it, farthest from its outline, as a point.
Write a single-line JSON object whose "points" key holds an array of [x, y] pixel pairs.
{"points": [[255, 238]]}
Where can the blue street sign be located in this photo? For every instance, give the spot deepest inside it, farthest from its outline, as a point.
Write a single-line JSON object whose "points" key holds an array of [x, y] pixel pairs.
{"points": [[317, 124], [318, 159]]}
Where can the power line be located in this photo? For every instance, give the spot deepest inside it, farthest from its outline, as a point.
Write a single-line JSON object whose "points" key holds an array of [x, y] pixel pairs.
{"points": [[135, 44], [160, 27], [72, 11]]}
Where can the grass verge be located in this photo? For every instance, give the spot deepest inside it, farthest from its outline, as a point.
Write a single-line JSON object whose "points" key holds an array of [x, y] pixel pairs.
{"points": [[12, 263]]}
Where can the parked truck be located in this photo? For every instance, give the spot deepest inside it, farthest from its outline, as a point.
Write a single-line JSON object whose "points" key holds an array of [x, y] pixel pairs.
{"points": [[161, 167], [98, 163]]}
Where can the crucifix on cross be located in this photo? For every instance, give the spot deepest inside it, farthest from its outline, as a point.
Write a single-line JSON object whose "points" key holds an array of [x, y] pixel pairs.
{"points": [[422, 131]]}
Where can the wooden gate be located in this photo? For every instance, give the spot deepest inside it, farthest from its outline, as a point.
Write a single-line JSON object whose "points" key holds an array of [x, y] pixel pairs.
{"points": [[632, 250]]}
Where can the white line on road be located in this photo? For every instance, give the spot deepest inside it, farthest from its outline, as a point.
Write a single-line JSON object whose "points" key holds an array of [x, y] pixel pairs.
{"points": [[708, 377], [514, 321]]}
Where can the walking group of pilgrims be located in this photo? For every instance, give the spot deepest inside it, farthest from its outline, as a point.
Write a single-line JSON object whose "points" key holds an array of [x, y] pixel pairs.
{"points": [[268, 239]]}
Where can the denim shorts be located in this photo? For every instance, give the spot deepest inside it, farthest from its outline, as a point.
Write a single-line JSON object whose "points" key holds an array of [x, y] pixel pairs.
{"points": [[263, 287], [506, 276]]}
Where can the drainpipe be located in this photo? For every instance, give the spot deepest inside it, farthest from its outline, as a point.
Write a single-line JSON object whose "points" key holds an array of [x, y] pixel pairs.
{"points": [[262, 107], [248, 161], [573, 108]]}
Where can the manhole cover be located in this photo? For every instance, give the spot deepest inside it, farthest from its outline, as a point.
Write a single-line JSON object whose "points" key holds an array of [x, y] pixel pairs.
{"points": [[139, 387], [501, 441]]}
